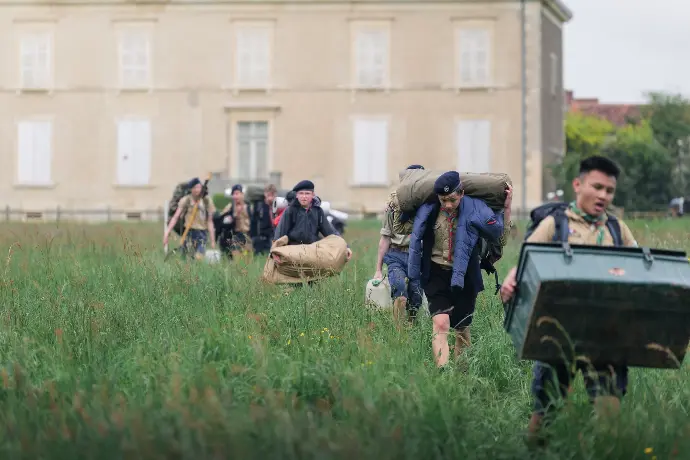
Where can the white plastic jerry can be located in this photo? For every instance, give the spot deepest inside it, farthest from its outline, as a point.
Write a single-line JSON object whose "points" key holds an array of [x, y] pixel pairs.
{"points": [[378, 294]]}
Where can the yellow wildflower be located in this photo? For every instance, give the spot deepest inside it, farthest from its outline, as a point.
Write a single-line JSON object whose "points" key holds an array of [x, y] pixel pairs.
{"points": [[648, 450]]}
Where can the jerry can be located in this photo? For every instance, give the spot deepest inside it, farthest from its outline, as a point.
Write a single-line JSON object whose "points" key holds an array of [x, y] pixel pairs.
{"points": [[378, 294]]}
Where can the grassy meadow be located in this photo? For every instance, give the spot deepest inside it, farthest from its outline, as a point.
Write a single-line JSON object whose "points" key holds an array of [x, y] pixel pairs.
{"points": [[107, 351]]}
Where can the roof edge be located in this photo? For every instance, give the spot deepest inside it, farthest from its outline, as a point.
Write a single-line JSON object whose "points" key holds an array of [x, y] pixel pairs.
{"points": [[558, 7]]}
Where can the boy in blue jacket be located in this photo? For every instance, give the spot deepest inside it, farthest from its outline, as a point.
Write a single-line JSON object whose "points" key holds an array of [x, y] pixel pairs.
{"points": [[444, 258]]}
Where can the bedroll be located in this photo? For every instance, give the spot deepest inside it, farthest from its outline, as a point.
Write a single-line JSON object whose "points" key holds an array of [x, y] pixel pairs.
{"points": [[417, 186], [305, 262]]}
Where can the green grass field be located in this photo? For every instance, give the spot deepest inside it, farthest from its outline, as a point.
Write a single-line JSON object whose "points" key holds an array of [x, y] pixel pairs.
{"points": [[107, 351]]}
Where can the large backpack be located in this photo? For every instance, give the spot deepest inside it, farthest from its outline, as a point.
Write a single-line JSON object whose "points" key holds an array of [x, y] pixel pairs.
{"points": [[181, 190], [557, 210]]}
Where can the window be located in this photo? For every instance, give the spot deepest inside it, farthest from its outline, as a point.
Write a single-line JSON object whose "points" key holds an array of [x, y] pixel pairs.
{"points": [[554, 73], [133, 151], [34, 152], [371, 57], [474, 57], [370, 141], [252, 150], [253, 56], [135, 59], [35, 56], [473, 141]]}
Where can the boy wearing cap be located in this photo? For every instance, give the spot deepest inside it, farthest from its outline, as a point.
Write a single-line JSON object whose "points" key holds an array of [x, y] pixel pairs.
{"points": [[203, 220], [303, 219], [235, 217], [444, 258], [393, 251]]}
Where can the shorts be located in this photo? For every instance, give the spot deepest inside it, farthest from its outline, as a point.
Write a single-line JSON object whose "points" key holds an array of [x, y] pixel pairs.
{"points": [[607, 382], [458, 303], [196, 241]]}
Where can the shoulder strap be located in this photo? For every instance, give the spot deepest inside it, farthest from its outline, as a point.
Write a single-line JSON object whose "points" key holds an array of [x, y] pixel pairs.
{"points": [[561, 223], [614, 227]]}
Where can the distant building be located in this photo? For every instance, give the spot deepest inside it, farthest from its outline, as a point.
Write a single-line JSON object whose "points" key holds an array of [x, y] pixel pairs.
{"points": [[617, 114], [114, 105]]}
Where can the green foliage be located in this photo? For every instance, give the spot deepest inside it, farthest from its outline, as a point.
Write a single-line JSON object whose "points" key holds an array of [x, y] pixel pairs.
{"points": [[646, 180], [220, 201], [653, 152]]}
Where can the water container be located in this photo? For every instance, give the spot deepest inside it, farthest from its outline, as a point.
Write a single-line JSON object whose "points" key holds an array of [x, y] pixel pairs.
{"points": [[212, 256], [378, 294]]}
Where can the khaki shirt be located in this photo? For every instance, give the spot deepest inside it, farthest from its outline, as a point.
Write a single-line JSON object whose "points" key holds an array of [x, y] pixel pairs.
{"points": [[444, 238], [240, 216], [202, 213], [581, 232], [398, 232]]}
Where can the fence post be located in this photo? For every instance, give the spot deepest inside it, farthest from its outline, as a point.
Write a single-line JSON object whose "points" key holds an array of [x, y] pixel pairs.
{"points": [[7, 213], [57, 214], [107, 214]]}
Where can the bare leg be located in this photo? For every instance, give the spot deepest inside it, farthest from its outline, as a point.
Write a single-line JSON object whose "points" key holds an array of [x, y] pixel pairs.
{"points": [[440, 339]]}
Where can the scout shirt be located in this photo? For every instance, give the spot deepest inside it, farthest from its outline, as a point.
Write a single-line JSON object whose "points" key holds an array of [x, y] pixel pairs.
{"points": [[444, 236], [205, 208], [580, 231], [398, 232], [240, 217]]}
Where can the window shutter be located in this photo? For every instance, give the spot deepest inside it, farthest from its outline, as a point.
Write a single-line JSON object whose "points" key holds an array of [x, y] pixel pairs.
{"points": [[43, 134], [378, 166], [142, 158], [25, 150]]}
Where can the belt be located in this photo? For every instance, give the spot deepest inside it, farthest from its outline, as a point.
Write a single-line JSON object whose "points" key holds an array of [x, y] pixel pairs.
{"points": [[400, 248]]}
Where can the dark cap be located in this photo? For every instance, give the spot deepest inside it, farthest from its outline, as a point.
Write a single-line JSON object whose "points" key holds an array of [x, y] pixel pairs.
{"points": [[193, 182], [235, 188], [415, 167], [304, 185], [447, 183]]}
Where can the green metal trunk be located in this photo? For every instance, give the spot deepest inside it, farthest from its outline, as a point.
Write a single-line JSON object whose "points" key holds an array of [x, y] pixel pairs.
{"points": [[613, 305]]}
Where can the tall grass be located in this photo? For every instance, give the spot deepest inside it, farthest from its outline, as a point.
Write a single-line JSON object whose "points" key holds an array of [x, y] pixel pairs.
{"points": [[107, 351]]}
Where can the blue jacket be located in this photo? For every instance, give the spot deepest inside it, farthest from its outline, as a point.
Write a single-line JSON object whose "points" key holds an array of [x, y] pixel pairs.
{"points": [[475, 219]]}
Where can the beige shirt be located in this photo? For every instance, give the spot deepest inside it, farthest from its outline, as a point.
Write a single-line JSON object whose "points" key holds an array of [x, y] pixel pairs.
{"points": [[204, 209], [240, 216], [398, 232], [581, 232], [444, 238]]}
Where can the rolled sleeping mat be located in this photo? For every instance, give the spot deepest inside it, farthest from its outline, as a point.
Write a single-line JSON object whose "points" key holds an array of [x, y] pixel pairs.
{"points": [[279, 203]]}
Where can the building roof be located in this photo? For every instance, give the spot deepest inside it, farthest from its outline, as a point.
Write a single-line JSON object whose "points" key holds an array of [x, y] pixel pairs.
{"points": [[617, 114]]}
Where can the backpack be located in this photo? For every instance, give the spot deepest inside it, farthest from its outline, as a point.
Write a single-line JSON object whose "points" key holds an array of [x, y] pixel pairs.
{"points": [[181, 190], [557, 210]]}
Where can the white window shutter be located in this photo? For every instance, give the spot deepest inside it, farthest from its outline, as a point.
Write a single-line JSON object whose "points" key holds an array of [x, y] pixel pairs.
{"points": [[260, 57], [361, 144], [142, 163], [25, 153], [43, 151], [124, 152], [482, 145], [378, 166], [474, 56], [473, 141]]}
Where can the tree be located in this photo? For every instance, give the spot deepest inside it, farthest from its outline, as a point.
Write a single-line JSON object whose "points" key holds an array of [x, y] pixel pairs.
{"points": [[669, 119], [646, 168], [584, 136]]}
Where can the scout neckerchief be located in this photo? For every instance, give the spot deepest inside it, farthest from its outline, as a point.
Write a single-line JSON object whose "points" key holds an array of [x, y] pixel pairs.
{"points": [[598, 222], [451, 217]]}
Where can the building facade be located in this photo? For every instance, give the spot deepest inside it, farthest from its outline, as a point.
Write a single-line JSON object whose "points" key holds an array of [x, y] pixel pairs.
{"points": [[110, 104]]}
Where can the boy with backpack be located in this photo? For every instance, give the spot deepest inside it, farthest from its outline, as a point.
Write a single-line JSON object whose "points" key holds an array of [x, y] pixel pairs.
{"points": [[200, 208], [445, 257], [584, 221]]}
